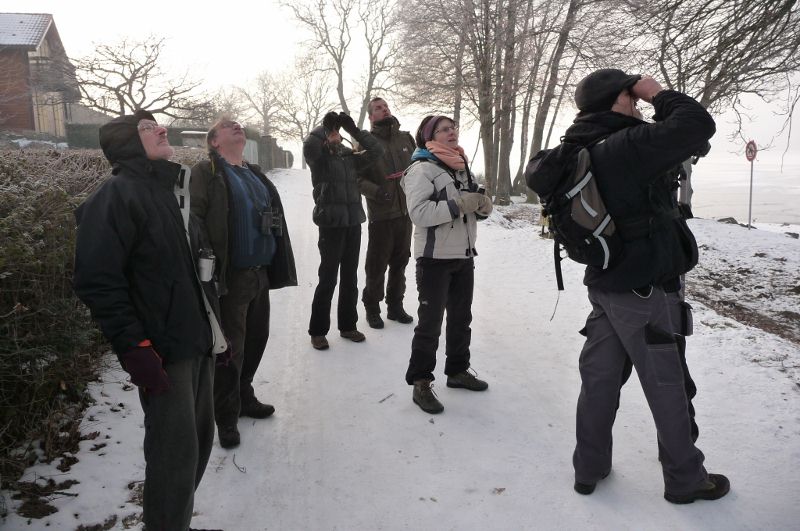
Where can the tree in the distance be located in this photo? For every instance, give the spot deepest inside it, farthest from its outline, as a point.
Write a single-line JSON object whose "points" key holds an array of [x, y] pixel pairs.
{"points": [[123, 77]]}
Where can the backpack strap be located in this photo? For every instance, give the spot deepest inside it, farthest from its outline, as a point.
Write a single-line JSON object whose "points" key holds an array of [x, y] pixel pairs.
{"points": [[557, 262]]}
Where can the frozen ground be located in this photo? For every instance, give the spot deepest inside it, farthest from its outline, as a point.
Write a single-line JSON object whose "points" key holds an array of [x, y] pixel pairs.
{"points": [[348, 450]]}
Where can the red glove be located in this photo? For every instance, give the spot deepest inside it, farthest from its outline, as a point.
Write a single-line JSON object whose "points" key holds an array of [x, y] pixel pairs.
{"points": [[146, 368]]}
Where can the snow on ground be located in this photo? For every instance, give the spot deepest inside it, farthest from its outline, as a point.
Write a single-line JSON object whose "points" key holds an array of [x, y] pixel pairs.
{"points": [[348, 450]]}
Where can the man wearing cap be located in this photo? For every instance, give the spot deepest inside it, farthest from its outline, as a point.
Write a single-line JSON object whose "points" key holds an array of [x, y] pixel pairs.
{"points": [[135, 268], [339, 214], [635, 164], [241, 211], [389, 224]]}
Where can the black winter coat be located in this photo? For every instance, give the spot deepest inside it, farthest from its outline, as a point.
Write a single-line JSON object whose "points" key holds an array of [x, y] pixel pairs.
{"points": [[636, 168], [133, 266], [335, 177]]}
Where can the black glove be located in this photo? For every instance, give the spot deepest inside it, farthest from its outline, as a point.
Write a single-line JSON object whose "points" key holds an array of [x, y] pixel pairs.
{"points": [[348, 124], [384, 195], [331, 121]]}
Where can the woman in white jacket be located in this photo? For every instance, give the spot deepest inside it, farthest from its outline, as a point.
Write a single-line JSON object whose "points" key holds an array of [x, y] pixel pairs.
{"points": [[444, 203]]}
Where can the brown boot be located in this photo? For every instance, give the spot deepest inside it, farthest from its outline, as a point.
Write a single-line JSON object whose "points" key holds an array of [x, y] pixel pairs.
{"points": [[319, 342], [425, 398], [353, 335]]}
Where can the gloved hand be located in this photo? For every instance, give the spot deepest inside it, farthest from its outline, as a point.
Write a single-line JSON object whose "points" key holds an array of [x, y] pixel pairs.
{"points": [[331, 121], [224, 359], [348, 124], [146, 368], [469, 202], [384, 195], [484, 205]]}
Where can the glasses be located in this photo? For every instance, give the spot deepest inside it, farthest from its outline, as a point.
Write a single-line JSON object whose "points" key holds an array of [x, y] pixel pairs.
{"points": [[447, 129], [147, 125], [230, 125]]}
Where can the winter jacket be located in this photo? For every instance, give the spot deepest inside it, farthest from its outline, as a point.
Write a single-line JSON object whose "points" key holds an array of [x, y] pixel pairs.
{"points": [[210, 202], [385, 174], [133, 265], [636, 168], [334, 175], [440, 231]]}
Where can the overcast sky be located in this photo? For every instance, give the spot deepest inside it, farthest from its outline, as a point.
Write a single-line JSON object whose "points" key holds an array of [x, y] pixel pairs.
{"points": [[229, 44]]}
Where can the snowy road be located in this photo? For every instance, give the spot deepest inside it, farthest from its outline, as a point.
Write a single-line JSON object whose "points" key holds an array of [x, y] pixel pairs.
{"points": [[348, 450]]}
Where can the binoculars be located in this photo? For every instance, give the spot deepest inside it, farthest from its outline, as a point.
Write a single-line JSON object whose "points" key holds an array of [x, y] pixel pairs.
{"points": [[271, 221]]}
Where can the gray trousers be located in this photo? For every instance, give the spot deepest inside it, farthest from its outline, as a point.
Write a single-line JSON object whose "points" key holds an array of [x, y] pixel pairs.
{"points": [[178, 435], [626, 326], [245, 321]]}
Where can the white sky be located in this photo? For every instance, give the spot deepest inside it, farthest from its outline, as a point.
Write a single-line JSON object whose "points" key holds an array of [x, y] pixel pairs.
{"points": [[231, 46]]}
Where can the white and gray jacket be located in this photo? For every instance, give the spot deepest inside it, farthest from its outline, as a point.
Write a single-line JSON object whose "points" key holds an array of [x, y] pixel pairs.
{"points": [[440, 230]]}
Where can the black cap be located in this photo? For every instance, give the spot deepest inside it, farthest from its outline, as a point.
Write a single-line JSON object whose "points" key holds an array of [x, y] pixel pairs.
{"points": [[599, 90]]}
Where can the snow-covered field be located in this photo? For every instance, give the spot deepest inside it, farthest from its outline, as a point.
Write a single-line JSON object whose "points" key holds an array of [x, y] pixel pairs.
{"points": [[348, 450]]}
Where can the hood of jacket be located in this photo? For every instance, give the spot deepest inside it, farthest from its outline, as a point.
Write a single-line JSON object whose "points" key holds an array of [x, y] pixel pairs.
{"points": [[424, 154], [120, 139]]}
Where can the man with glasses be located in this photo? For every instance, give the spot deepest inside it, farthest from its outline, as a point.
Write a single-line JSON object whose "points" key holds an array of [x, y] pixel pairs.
{"points": [[389, 225], [135, 269], [242, 214]]}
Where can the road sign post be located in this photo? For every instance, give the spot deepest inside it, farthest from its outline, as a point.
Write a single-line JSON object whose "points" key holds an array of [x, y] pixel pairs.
{"points": [[750, 152]]}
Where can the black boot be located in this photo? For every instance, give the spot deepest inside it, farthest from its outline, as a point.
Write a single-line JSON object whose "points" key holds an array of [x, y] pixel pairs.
{"points": [[397, 313], [715, 488], [374, 320], [228, 436]]}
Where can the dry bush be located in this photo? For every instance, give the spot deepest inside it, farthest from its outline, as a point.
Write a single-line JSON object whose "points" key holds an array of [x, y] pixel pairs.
{"points": [[49, 348]]}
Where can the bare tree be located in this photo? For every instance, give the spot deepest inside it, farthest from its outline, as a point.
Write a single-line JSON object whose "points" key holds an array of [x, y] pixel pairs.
{"points": [[329, 24], [126, 76], [718, 50], [379, 23], [336, 27], [263, 100], [302, 103], [225, 102]]}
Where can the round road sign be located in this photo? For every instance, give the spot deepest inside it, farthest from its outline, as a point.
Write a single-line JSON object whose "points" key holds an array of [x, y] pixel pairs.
{"points": [[750, 150]]}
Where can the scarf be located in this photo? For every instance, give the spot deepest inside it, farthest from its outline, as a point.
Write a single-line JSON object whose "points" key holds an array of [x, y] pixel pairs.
{"points": [[452, 157]]}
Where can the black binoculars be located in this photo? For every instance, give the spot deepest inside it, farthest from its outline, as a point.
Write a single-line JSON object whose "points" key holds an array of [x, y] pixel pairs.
{"points": [[271, 221]]}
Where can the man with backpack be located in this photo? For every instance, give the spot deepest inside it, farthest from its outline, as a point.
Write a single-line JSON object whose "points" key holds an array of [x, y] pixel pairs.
{"points": [[633, 163]]}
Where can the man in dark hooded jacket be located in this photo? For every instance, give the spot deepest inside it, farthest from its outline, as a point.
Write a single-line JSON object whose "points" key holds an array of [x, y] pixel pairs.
{"points": [[135, 270], [389, 225], [339, 215], [634, 163]]}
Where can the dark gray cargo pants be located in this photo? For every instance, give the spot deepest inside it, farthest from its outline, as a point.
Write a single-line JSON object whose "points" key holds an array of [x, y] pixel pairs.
{"points": [[179, 433], [621, 326]]}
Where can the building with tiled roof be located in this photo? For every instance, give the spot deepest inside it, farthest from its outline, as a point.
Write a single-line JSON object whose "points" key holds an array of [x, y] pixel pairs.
{"points": [[38, 80]]}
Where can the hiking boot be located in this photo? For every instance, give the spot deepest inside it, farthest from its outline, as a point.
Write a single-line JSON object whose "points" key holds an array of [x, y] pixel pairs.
{"points": [[228, 436], [715, 488], [255, 409], [374, 320], [397, 313], [353, 335], [466, 380], [319, 342], [587, 488], [425, 398]]}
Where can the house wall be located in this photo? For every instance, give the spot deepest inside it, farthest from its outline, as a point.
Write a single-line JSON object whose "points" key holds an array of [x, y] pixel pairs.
{"points": [[16, 104]]}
